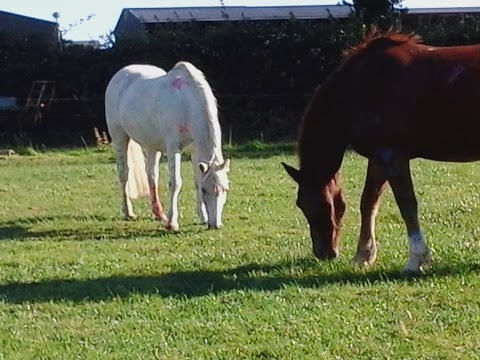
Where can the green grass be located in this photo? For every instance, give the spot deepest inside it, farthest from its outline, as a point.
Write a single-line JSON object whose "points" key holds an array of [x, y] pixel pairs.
{"points": [[76, 281]]}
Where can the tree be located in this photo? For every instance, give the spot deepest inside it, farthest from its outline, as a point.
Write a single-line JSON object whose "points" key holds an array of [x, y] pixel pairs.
{"points": [[379, 12]]}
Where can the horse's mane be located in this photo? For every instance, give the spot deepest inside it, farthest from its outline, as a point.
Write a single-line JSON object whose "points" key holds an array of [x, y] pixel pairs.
{"points": [[205, 93], [199, 79], [375, 39], [310, 127]]}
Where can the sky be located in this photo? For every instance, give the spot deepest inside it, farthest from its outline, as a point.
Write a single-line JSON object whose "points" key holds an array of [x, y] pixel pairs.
{"points": [[91, 19]]}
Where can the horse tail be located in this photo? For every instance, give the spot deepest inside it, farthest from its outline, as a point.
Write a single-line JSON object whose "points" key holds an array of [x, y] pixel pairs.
{"points": [[137, 175]]}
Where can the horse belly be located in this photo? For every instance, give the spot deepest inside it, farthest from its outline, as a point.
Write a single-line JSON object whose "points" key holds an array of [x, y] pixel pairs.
{"points": [[144, 132], [155, 127], [449, 149], [432, 146], [450, 133]]}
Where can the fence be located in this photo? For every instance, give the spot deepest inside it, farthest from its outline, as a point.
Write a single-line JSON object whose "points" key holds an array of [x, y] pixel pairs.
{"points": [[70, 122]]}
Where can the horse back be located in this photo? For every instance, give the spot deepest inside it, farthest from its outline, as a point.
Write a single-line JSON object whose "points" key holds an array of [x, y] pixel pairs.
{"points": [[422, 100], [122, 81]]}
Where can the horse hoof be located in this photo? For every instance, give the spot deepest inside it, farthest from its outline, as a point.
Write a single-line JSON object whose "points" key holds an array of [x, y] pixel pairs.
{"points": [[418, 263], [161, 217], [362, 262], [414, 271], [364, 259], [420, 269], [130, 217], [172, 227]]}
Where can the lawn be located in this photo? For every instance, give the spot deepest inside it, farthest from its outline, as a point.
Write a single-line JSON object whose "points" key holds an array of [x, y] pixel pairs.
{"points": [[76, 281]]}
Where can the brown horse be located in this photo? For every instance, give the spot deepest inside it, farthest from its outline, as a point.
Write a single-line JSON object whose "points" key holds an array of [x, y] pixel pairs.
{"points": [[392, 99]]}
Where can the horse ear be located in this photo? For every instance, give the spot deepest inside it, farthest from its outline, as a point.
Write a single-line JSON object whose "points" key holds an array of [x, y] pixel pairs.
{"points": [[225, 166], [294, 173], [203, 166]]}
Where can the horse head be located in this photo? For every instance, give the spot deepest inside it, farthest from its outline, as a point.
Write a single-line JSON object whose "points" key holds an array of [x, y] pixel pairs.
{"points": [[215, 186], [323, 204]]}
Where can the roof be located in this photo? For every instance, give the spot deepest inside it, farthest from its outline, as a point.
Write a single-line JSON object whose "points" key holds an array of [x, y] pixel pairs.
{"points": [[7, 14], [134, 20], [444, 11], [19, 26], [232, 13]]}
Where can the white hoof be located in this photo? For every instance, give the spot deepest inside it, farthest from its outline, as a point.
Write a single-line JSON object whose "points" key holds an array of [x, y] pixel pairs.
{"points": [[130, 217], [418, 262], [172, 227]]}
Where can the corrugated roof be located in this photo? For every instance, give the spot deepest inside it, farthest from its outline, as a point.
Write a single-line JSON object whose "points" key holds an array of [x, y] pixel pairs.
{"points": [[233, 13], [445, 10]]}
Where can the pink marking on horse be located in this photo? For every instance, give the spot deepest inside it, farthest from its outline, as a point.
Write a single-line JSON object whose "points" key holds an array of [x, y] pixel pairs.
{"points": [[457, 71], [178, 83], [157, 207], [183, 129]]}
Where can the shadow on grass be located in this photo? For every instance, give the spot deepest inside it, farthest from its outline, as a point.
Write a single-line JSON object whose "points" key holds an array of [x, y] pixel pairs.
{"points": [[8, 232], [33, 220], [189, 284], [99, 228]]}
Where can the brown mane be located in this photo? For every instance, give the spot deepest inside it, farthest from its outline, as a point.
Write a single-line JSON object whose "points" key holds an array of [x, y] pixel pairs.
{"points": [[333, 92], [376, 39]]}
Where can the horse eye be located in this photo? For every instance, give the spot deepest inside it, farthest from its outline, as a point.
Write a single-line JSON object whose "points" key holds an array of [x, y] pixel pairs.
{"points": [[204, 191]]}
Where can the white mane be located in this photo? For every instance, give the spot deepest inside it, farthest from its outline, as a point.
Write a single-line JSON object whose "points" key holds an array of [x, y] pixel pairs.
{"points": [[210, 102]]}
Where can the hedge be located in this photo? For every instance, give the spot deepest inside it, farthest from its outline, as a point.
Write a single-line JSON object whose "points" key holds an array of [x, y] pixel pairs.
{"points": [[262, 72]]}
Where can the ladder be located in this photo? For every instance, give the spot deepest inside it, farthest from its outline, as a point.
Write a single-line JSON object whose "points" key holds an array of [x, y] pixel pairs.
{"points": [[40, 97], [41, 94]]}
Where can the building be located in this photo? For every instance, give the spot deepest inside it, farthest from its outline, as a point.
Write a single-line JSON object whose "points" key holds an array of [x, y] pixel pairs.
{"points": [[135, 22], [450, 11], [95, 44], [19, 27]]}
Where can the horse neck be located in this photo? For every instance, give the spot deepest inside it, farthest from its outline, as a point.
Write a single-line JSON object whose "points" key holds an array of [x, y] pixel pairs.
{"points": [[207, 141], [205, 129], [322, 140], [206, 132]]}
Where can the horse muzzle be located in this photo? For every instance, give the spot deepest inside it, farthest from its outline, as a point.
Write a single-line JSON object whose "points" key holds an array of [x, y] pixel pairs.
{"points": [[323, 254]]}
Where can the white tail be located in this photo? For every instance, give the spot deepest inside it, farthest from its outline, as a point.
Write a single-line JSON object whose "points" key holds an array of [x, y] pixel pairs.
{"points": [[137, 176]]}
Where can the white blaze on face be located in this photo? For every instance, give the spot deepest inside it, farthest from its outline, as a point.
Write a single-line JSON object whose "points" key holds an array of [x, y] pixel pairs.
{"points": [[215, 186]]}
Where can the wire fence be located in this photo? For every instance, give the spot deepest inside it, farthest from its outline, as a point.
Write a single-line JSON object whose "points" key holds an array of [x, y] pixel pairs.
{"points": [[70, 121]]}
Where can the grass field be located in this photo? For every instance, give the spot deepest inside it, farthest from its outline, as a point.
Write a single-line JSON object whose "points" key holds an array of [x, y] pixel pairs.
{"points": [[76, 281]]}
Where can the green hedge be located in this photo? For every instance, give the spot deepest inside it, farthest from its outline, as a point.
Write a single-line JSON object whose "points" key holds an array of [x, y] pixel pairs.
{"points": [[262, 72]]}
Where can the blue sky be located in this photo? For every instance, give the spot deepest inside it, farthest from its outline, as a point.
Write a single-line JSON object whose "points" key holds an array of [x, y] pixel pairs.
{"points": [[107, 12]]}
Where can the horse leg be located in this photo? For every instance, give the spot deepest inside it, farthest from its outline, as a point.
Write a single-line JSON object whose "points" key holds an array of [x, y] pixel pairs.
{"points": [[175, 185], [201, 210], [120, 145], [399, 177], [375, 184], [153, 159]]}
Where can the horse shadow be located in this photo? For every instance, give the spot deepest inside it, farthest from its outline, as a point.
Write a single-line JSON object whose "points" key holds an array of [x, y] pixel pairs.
{"points": [[21, 229], [199, 283], [8, 232]]}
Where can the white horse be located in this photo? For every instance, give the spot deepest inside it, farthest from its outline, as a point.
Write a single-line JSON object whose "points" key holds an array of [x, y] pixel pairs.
{"points": [[165, 113]]}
